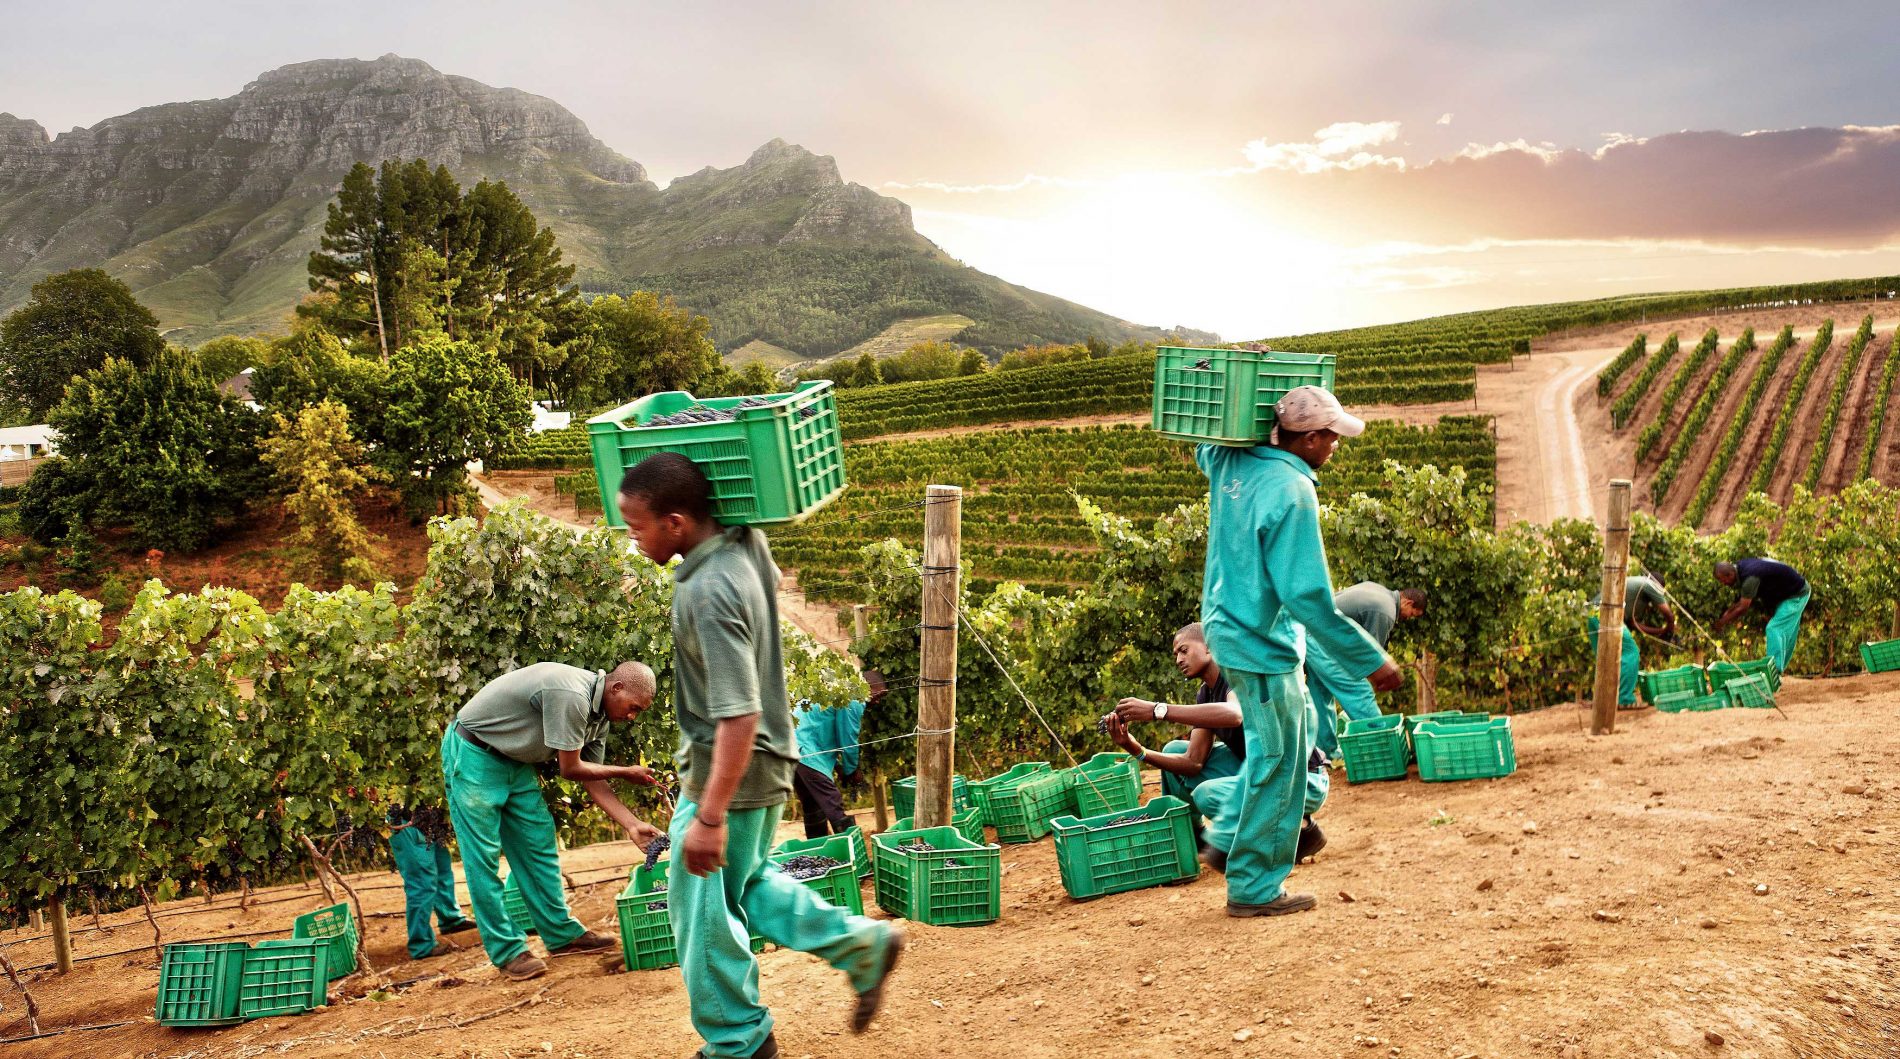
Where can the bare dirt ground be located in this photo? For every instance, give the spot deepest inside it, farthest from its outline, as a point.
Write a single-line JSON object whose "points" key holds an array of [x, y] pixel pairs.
{"points": [[1723, 873]]}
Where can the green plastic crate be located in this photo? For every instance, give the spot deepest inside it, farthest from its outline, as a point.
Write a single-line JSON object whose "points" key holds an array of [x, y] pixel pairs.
{"points": [[1127, 849], [646, 938], [958, 883], [1880, 657], [1675, 701], [839, 886], [904, 795], [1226, 396], [996, 796], [645, 879], [1654, 685], [1025, 810], [1751, 692], [1107, 783], [853, 835], [1464, 749], [516, 906], [337, 924], [771, 463], [284, 977], [1374, 748], [1720, 673], [199, 983]]}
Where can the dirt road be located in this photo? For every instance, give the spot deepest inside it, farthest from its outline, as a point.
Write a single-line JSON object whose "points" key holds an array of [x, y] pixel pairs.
{"points": [[1724, 873]]}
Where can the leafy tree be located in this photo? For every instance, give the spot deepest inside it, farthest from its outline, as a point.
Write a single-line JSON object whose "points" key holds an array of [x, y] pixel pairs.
{"points": [[73, 323], [321, 471], [55, 501], [755, 378], [1036, 356], [643, 344], [160, 449], [925, 360], [447, 403], [227, 355], [311, 365], [973, 362], [405, 252]]}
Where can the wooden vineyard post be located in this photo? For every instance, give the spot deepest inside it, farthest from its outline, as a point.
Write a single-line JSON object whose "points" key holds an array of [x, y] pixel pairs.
{"points": [[937, 672], [1616, 554], [62, 941], [1893, 631]]}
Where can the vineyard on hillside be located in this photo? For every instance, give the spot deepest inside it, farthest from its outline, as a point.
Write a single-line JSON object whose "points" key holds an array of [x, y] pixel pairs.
{"points": [[1020, 518], [1738, 417]]}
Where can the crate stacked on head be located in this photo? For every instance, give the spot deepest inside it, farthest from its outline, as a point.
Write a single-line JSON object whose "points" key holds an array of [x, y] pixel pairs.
{"points": [[1226, 396], [772, 458]]}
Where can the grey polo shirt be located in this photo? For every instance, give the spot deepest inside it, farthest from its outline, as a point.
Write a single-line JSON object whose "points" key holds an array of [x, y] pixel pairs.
{"points": [[729, 662], [1371, 606], [536, 711]]}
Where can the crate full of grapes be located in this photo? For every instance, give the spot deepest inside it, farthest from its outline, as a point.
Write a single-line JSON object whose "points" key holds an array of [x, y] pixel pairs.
{"points": [[934, 875]]}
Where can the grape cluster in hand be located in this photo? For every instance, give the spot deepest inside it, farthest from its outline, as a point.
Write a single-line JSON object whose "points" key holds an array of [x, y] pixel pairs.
{"points": [[657, 847]]}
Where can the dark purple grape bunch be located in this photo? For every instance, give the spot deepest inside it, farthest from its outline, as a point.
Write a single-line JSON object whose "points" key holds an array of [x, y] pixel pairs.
{"points": [[1101, 723], [655, 849], [806, 866]]}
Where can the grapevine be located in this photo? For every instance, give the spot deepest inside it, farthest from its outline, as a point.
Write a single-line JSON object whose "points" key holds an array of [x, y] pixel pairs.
{"points": [[1784, 422]]}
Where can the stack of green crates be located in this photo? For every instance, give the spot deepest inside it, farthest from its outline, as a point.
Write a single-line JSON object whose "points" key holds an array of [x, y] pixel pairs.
{"points": [[1682, 680], [1751, 691], [1226, 396], [1127, 849], [904, 795], [284, 977], [1002, 808], [776, 462], [1880, 657], [1374, 748], [1107, 783], [1039, 799], [1468, 747], [200, 983], [337, 925], [838, 886], [955, 883]]}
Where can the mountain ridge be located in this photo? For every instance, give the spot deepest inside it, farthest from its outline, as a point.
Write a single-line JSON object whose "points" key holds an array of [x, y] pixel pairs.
{"points": [[208, 208]]}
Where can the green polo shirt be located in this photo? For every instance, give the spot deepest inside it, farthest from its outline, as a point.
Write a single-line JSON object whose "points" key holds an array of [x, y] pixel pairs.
{"points": [[1642, 597], [536, 711], [729, 662]]}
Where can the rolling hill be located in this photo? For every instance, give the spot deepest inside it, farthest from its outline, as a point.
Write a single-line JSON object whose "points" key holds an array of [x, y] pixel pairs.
{"points": [[208, 209]]}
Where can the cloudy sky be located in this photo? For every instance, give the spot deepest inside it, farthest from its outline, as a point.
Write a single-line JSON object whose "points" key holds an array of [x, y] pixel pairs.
{"points": [[1254, 169]]}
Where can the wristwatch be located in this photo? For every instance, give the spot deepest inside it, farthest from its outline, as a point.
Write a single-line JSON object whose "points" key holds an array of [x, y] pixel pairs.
{"points": [[1161, 711]]}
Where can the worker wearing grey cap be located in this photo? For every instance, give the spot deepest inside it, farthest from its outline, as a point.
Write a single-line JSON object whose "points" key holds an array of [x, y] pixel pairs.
{"points": [[1266, 577]]}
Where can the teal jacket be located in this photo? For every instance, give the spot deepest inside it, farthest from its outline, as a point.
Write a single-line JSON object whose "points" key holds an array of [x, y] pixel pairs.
{"points": [[828, 738], [1266, 570]]}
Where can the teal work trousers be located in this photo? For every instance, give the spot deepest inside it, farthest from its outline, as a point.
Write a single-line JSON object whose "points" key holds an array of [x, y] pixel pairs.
{"points": [[497, 809], [715, 915], [1631, 662], [1255, 817], [428, 888], [1221, 763], [1326, 684], [1783, 627]]}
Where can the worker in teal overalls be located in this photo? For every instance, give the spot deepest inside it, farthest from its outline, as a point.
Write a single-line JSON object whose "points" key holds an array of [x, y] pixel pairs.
{"points": [[545, 712], [419, 844], [828, 754], [1266, 579], [736, 759], [1376, 609], [1775, 588], [1646, 610]]}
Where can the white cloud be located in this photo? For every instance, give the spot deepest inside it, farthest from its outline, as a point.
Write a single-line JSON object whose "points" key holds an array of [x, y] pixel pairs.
{"points": [[1445, 118], [1547, 151], [1341, 145]]}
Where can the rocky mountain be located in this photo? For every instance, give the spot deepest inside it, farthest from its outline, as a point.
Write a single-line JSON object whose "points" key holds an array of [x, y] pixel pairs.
{"points": [[208, 210]]}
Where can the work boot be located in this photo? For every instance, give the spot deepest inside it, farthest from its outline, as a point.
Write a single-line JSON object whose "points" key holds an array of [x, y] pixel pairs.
{"points": [[1285, 904], [1312, 840], [523, 967], [458, 926], [442, 948], [590, 941], [873, 998], [767, 1050], [1214, 858]]}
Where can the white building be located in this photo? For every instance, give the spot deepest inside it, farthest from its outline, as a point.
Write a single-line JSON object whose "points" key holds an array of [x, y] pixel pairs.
{"points": [[27, 443]]}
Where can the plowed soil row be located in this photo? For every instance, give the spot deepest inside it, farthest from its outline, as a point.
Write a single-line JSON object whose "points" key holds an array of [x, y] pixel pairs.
{"points": [[1702, 447], [1850, 437], [1754, 439]]}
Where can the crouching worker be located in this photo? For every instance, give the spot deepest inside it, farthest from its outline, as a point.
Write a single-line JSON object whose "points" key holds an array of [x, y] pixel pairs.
{"points": [[419, 844], [539, 713], [736, 760], [1215, 745], [828, 748]]}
